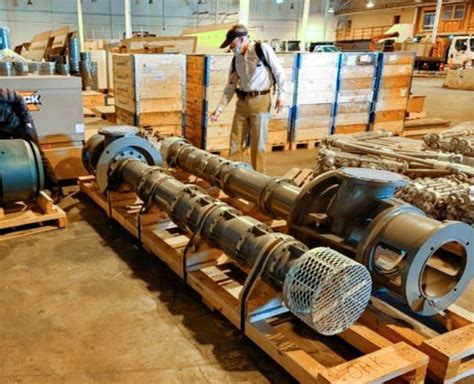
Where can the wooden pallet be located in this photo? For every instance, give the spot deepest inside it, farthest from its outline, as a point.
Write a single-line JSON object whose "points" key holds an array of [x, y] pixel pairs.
{"points": [[421, 127], [304, 144], [301, 176], [357, 355], [105, 112], [27, 218], [277, 147]]}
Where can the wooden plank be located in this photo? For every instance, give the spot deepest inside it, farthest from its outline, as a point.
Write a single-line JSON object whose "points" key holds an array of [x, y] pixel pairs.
{"points": [[380, 366], [451, 354], [92, 99]]}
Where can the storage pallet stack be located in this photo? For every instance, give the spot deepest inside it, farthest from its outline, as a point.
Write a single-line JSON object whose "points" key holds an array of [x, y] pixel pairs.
{"points": [[149, 92], [280, 124], [206, 77], [355, 90], [395, 74], [314, 100]]}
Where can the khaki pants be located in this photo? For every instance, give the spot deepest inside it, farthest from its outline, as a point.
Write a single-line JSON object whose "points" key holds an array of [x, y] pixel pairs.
{"points": [[252, 115]]}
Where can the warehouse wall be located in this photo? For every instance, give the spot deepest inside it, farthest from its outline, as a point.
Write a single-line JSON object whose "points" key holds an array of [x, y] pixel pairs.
{"points": [[380, 17], [104, 18]]}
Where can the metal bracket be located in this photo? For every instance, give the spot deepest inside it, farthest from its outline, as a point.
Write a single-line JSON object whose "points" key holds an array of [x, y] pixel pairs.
{"points": [[252, 277]]}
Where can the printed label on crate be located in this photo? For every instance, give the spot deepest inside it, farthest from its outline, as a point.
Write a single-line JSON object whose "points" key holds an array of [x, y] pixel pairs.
{"points": [[366, 59], [160, 76], [32, 100], [79, 128], [393, 58], [351, 60], [403, 92], [148, 67]]}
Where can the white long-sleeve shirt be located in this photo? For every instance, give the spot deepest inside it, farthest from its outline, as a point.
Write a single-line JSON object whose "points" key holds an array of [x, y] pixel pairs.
{"points": [[252, 75]]}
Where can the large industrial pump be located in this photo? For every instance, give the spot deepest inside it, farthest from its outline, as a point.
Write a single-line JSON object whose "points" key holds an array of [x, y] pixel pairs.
{"points": [[425, 263], [325, 289]]}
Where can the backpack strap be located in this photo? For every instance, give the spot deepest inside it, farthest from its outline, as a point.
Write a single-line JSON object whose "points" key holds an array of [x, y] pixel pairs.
{"points": [[233, 65], [263, 59]]}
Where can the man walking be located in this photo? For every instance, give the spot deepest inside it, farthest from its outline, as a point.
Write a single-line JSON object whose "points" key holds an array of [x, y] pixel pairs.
{"points": [[254, 70]]}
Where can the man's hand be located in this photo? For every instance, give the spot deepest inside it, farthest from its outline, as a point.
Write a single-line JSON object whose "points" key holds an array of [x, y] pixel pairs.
{"points": [[278, 106], [215, 115]]}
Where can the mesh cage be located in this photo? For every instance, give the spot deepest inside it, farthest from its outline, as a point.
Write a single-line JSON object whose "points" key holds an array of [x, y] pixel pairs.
{"points": [[327, 290]]}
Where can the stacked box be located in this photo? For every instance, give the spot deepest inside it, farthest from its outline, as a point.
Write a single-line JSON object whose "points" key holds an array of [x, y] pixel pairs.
{"points": [[280, 124], [149, 91], [316, 81], [355, 91], [395, 74], [206, 77]]}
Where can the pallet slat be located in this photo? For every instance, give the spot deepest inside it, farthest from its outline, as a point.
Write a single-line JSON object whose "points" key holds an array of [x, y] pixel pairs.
{"points": [[25, 218]]}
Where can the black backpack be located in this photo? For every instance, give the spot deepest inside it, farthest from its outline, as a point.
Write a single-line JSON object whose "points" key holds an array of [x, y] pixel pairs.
{"points": [[261, 57]]}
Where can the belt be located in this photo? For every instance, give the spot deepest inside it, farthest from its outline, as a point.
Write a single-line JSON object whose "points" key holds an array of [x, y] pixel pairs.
{"points": [[251, 93]]}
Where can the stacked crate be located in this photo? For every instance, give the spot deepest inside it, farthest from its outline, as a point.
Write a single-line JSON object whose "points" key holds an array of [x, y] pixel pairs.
{"points": [[316, 81], [149, 91], [206, 77], [280, 124], [355, 90], [394, 76]]}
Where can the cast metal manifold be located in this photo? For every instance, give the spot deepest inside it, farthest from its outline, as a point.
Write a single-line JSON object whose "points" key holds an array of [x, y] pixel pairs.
{"points": [[424, 262], [325, 289]]}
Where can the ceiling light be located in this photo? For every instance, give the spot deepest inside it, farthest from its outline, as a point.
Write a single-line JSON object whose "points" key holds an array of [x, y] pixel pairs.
{"points": [[292, 5], [370, 4], [150, 1], [331, 9], [279, 1], [29, 3]]}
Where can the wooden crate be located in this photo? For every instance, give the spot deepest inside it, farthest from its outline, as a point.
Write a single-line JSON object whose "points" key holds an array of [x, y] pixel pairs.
{"points": [[357, 355], [27, 218], [354, 94], [149, 91], [206, 77], [390, 104], [315, 92], [280, 124], [92, 99]]}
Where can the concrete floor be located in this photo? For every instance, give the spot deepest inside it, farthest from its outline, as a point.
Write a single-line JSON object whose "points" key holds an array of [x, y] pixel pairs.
{"points": [[87, 305], [451, 104]]}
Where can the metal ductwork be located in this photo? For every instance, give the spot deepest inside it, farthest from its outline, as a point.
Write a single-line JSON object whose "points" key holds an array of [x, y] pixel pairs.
{"points": [[325, 289], [21, 171], [424, 262]]}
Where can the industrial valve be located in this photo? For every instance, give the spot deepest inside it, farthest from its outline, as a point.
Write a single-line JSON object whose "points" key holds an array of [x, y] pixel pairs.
{"points": [[325, 289], [21, 171], [424, 262]]}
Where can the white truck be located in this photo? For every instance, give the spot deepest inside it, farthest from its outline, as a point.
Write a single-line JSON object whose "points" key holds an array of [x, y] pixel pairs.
{"points": [[461, 52]]}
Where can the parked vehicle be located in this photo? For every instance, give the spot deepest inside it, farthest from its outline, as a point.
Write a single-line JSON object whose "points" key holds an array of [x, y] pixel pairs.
{"points": [[461, 52]]}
